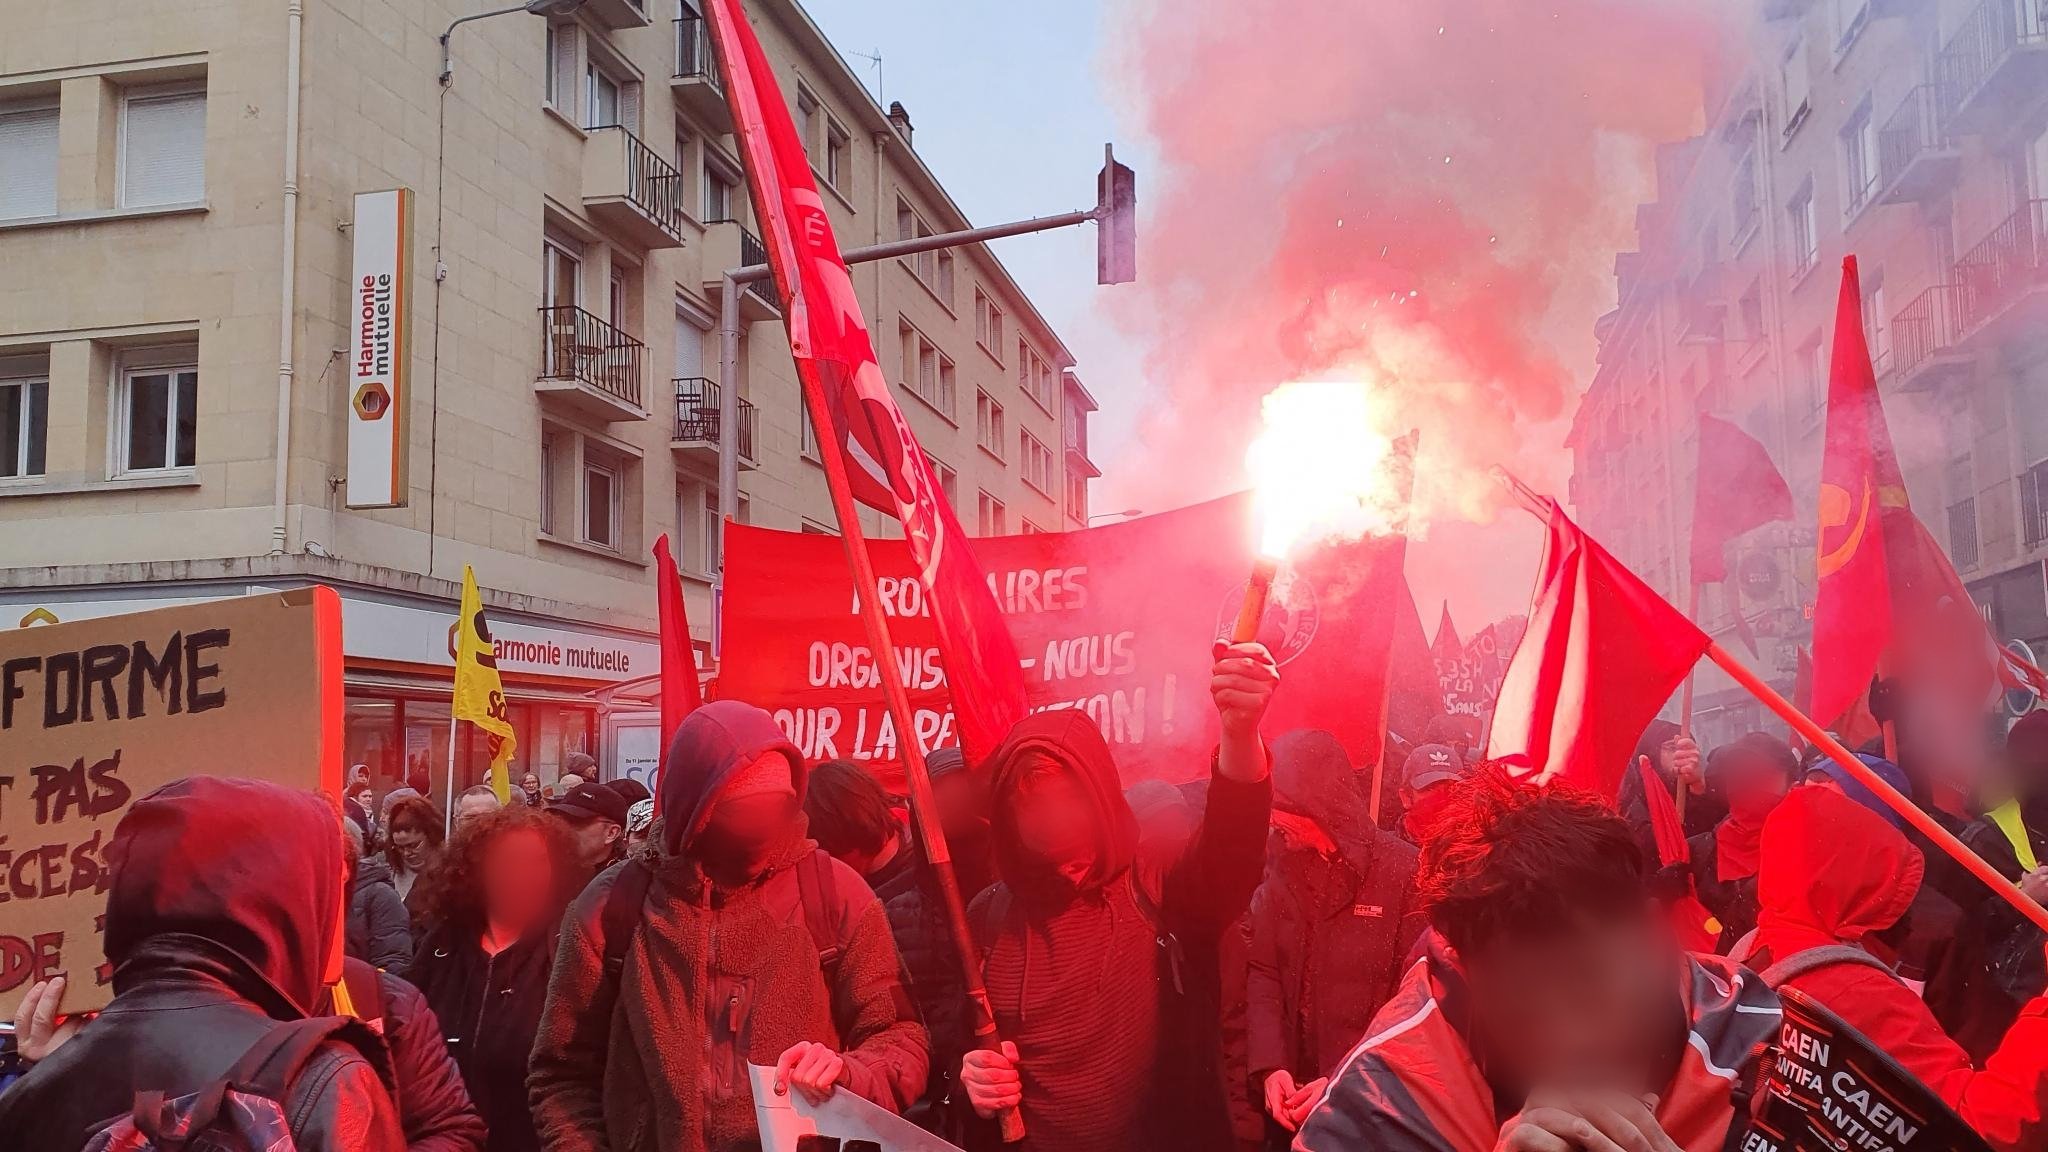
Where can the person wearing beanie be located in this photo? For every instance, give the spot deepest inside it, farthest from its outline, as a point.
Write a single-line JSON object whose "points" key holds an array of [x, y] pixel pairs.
{"points": [[731, 940]]}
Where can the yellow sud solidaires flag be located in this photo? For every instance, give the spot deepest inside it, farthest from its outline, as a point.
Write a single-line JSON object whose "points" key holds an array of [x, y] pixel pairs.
{"points": [[479, 693]]}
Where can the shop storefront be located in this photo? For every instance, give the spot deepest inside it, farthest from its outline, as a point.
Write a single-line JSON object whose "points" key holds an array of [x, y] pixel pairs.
{"points": [[560, 679]]}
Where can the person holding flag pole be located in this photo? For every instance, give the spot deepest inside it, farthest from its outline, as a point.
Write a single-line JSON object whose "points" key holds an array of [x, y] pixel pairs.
{"points": [[479, 695]]}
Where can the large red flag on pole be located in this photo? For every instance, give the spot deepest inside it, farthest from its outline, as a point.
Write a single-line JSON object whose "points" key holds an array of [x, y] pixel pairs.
{"points": [[1737, 489], [680, 692], [835, 359], [1602, 654], [1859, 483]]}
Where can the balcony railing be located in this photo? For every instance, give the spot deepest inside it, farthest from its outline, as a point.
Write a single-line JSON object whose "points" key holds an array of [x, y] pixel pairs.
{"points": [[753, 252], [575, 345], [1986, 38], [694, 54], [2004, 264], [2034, 505], [697, 414], [1931, 322], [653, 185], [1914, 131]]}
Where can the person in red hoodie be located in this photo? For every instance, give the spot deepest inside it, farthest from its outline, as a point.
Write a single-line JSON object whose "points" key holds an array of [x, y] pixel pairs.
{"points": [[1834, 873]]}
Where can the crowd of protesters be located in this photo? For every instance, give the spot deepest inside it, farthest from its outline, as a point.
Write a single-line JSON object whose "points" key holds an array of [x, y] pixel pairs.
{"points": [[1254, 960]]}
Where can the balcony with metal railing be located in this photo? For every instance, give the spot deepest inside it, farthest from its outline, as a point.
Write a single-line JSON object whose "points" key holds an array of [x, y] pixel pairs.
{"points": [[727, 245], [2003, 276], [616, 14], [1994, 65], [696, 82], [699, 424], [1917, 159], [588, 366], [633, 191], [1925, 337]]}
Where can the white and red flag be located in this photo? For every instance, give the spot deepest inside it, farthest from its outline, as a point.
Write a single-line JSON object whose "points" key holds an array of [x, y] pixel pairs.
{"points": [[835, 360]]}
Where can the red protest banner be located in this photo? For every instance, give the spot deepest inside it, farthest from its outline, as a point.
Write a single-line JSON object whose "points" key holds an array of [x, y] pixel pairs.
{"points": [[1117, 621]]}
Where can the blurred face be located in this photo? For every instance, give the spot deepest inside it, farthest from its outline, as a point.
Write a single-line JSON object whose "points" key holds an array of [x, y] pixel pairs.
{"points": [[1055, 820], [518, 879], [594, 839], [1753, 786], [1421, 808], [1166, 829], [470, 807], [1594, 1006], [742, 832], [411, 841], [962, 804]]}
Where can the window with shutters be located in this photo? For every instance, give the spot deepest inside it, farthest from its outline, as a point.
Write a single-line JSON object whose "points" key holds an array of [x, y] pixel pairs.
{"points": [[163, 147], [156, 406], [988, 325], [24, 427], [560, 85], [988, 424], [991, 518], [28, 160], [1037, 463], [602, 483]]}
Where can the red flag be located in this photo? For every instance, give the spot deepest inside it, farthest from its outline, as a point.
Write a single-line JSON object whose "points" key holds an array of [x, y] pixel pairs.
{"points": [[680, 692], [1737, 489], [1446, 645], [1414, 693], [1860, 484], [1602, 654], [835, 360]]}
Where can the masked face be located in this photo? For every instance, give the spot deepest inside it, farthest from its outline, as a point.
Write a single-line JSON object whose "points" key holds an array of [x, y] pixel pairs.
{"points": [[1753, 787], [1055, 820], [743, 832]]}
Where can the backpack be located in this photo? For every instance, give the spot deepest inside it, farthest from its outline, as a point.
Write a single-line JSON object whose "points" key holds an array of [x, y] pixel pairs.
{"points": [[1800, 963], [243, 1111], [816, 886]]}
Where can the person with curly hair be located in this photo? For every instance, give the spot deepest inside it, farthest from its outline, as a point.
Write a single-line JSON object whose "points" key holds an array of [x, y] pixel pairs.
{"points": [[496, 897]]}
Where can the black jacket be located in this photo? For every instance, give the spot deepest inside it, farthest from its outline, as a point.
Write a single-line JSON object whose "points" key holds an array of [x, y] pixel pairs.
{"points": [[1733, 902], [379, 927], [489, 1009], [433, 1106], [210, 949]]}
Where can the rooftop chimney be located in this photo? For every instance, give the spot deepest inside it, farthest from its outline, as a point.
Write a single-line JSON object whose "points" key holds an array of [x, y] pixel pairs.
{"points": [[899, 120]]}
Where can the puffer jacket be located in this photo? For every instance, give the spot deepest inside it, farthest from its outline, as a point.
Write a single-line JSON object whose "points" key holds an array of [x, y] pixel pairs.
{"points": [[434, 1108], [379, 927], [1836, 873], [210, 950], [1110, 985], [1332, 923], [714, 977]]}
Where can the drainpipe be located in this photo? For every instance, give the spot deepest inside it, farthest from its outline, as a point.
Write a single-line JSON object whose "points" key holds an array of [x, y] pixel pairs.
{"points": [[286, 301]]}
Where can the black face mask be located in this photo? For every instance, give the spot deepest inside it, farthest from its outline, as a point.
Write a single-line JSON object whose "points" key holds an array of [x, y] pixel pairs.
{"points": [[727, 854]]}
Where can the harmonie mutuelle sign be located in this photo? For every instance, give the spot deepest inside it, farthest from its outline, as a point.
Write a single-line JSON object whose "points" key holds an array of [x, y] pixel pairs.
{"points": [[379, 348], [98, 713]]}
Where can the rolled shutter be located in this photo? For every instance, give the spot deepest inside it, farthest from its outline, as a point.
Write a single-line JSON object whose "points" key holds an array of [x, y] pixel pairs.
{"points": [[28, 163], [163, 159]]}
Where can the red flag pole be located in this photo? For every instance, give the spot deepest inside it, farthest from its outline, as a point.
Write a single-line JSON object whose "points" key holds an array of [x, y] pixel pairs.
{"points": [[931, 834], [1927, 825]]}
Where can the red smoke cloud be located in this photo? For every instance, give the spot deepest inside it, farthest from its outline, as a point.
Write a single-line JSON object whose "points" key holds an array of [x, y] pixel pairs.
{"points": [[1422, 194]]}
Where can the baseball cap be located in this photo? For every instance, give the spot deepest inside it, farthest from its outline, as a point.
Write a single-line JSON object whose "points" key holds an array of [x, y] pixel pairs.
{"points": [[588, 801], [1432, 764]]}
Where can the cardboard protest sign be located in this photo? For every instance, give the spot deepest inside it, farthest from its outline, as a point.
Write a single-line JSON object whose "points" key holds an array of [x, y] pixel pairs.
{"points": [[99, 713], [1117, 621], [1827, 1088]]}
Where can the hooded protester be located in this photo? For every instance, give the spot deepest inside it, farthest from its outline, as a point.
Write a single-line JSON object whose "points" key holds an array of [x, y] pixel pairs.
{"points": [[379, 929], [1101, 967], [496, 899], [1753, 774], [1674, 759], [1553, 1010], [223, 924], [1330, 926], [917, 921], [732, 940], [1834, 877]]}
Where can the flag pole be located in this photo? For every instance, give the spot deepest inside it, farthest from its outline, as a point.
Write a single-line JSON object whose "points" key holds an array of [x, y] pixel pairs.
{"points": [[931, 835], [1680, 787], [448, 806], [1920, 820]]}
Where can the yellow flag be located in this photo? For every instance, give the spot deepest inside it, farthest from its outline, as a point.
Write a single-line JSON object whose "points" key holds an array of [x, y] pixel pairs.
{"points": [[479, 693]]}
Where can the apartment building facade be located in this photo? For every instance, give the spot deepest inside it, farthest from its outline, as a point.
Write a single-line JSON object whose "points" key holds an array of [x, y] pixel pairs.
{"points": [[1913, 134], [177, 189]]}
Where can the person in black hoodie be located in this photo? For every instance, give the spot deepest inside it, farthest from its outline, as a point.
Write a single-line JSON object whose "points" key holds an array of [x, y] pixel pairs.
{"points": [[224, 918], [1093, 957], [1331, 926], [496, 896]]}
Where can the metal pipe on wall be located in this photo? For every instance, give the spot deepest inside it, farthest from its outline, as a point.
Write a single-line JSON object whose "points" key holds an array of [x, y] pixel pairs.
{"points": [[287, 301]]}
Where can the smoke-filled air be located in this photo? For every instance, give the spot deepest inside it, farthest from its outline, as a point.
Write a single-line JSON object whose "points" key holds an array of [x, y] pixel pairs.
{"points": [[1425, 198]]}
